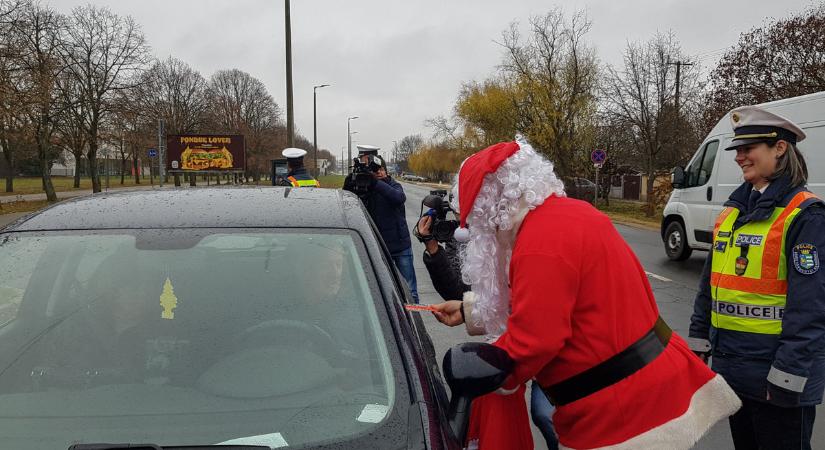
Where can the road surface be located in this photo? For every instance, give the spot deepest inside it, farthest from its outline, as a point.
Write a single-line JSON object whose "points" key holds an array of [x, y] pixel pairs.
{"points": [[674, 285]]}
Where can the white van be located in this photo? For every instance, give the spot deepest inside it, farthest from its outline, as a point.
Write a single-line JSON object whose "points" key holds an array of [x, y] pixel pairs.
{"points": [[712, 175]]}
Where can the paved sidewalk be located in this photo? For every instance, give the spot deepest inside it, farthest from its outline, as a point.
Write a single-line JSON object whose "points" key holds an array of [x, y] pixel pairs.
{"points": [[6, 219]]}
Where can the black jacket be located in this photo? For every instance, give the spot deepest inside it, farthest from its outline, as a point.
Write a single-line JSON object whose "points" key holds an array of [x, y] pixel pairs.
{"points": [[445, 274], [385, 203]]}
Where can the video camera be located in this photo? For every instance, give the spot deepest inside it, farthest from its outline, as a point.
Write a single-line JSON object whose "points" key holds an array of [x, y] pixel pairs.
{"points": [[363, 173], [441, 229]]}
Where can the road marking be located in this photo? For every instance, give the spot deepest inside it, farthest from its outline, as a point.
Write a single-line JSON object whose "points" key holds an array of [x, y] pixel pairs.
{"points": [[658, 277]]}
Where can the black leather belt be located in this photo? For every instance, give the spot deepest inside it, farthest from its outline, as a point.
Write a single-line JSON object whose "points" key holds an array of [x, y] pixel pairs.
{"points": [[615, 369]]}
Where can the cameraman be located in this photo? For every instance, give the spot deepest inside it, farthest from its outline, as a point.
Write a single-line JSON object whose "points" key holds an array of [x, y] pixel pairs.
{"points": [[384, 199], [442, 264]]}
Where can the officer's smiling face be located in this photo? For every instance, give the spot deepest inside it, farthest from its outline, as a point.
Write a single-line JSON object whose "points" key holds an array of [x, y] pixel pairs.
{"points": [[758, 161]]}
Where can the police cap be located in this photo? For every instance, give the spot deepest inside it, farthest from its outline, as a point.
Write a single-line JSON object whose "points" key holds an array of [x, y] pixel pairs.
{"points": [[367, 150], [294, 153], [752, 125]]}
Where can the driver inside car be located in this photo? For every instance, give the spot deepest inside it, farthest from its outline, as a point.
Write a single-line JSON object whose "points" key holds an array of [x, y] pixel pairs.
{"points": [[327, 297]]}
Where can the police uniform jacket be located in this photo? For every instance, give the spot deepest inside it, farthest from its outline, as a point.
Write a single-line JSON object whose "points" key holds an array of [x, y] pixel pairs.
{"points": [[299, 174], [798, 352]]}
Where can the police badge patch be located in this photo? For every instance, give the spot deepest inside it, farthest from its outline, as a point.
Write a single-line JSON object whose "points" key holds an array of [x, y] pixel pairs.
{"points": [[805, 259]]}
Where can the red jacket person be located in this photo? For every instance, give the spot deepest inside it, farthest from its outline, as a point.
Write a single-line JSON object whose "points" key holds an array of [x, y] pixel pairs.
{"points": [[556, 286]]}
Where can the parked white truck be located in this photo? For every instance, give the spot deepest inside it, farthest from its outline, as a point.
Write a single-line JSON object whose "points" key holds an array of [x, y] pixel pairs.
{"points": [[712, 175]]}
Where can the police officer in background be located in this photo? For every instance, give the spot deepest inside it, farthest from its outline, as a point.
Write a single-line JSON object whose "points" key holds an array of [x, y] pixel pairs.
{"points": [[298, 176], [384, 199], [760, 311]]}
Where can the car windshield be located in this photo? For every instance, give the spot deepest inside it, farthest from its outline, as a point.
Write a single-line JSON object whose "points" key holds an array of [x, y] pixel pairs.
{"points": [[188, 337]]}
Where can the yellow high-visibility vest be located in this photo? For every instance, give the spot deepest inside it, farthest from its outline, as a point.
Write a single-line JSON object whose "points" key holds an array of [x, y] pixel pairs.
{"points": [[303, 183], [749, 272]]}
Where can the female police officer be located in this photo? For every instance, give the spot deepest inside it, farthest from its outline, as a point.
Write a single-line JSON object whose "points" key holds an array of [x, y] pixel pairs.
{"points": [[760, 311]]}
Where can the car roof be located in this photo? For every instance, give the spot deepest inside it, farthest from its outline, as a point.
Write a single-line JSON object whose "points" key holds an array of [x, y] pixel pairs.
{"points": [[215, 207]]}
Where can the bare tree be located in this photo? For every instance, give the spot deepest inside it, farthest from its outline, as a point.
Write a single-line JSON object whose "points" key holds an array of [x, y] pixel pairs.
{"points": [[104, 52], [37, 32], [408, 145], [11, 121], [553, 77], [642, 97], [173, 91], [71, 130], [241, 104]]}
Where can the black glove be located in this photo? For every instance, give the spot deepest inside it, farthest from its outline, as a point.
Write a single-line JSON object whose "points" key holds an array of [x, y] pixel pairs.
{"points": [[704, 356], [782, 397]]}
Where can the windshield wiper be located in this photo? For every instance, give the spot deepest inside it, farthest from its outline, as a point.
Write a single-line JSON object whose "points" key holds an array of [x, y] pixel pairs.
{"points": [[103, 446]]}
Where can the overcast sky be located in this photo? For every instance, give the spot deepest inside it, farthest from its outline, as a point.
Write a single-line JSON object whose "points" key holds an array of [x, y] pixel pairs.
{"points": [[396, 63]]}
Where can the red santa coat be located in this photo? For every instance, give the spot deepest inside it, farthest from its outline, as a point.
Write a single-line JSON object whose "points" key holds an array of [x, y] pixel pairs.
{"points": [[579, 296]]}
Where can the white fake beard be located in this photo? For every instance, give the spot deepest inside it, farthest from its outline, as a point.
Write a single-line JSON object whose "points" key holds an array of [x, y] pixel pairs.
{"points": [[524, 180]]}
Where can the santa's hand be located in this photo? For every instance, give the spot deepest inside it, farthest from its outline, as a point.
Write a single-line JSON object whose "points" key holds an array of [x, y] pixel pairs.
{"points": [[449, 313]]}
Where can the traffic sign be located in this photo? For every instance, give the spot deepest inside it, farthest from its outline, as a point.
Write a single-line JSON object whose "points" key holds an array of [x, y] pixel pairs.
{"points": [[153, 153], [598, 156]]}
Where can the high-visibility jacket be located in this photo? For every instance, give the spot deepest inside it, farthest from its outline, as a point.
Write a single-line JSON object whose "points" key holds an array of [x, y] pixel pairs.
{"points": [[303, 183], [749, 272], [763, 316], [301, 178]]}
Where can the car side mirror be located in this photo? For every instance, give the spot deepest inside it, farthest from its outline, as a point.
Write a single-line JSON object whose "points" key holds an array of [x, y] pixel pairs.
{"points": [[472, 369], [677, 177]]}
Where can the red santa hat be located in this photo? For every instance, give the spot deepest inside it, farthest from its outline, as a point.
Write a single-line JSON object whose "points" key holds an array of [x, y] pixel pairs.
{"points": [[471, 178]]}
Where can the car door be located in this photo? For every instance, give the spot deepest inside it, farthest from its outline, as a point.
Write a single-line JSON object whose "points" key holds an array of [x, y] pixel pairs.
{"points": [[698, 194]]}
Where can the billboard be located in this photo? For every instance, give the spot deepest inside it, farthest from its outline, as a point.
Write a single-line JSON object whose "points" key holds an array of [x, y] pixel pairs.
{"points": [[205, 152]]}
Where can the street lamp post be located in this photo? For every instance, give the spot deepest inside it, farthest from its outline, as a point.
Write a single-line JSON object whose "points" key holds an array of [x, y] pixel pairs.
{"points": [[290, 119], [314, 125], [349, 142]]}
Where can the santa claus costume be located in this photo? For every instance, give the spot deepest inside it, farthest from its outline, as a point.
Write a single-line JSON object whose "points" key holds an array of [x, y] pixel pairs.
{"points": [[556, 286]]}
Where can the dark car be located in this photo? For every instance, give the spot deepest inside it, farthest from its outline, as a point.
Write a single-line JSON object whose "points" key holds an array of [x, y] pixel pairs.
{"points": [[260, 318], [580, 188]]}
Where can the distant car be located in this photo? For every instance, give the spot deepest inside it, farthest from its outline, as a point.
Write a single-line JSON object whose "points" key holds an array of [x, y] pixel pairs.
{"points": [[267, 317], [580, 188], [411, 177]]}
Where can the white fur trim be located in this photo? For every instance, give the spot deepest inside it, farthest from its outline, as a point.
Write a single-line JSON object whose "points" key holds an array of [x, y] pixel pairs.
{"points": [[471, 321], [711, 403]]}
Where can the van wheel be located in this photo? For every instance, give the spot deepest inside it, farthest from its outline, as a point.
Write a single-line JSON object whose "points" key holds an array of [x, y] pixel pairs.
{"points": [[676, 244]]}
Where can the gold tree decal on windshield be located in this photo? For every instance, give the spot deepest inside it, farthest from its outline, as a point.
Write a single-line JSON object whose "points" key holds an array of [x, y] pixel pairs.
{"points": [[168, 300]]}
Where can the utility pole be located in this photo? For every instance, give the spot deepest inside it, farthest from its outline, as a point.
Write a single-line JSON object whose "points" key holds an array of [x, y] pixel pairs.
{"points": [[290, 119], [678, 65], [315, 126], [162, 153]]}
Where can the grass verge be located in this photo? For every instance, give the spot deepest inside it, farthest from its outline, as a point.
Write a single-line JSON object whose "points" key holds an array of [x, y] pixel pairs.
{"points": [[34, 185], [23, 206], [632, 213], [332, 181]]}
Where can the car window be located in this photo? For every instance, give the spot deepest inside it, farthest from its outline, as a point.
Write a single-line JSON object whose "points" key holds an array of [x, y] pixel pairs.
{"points": [[237, 335]]}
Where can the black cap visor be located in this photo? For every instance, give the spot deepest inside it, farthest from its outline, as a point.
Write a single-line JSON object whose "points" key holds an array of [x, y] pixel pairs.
{"points": [[736, 143]]}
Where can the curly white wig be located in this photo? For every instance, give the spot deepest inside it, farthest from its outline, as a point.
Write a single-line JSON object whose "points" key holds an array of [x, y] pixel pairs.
{"points": [[523, 181]]}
